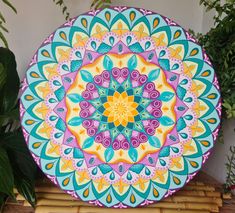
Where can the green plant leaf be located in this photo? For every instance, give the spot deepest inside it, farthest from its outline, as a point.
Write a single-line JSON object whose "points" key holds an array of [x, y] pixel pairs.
{"points": [[6, 174], [26, 188], [18, 153], [9, 4], [2, 37], [2, 18], [10, 88]]}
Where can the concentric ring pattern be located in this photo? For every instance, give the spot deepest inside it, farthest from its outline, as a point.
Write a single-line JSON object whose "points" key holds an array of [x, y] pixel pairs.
{"points": [[120, 107]]}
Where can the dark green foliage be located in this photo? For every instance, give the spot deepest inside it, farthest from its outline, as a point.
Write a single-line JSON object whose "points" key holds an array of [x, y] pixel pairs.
{"points": [[230, 165], [3, 29], [17, 167], [219, 44], [96, 4]]}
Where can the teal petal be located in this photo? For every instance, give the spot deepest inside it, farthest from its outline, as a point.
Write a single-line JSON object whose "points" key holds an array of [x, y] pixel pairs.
{"points": [[86, 76], [104, 48], [60, 125], [133, 154], [137, 168], [132, 63], [166, 96], [88, 143], [75, 65], [154, 141], [181, 92], [180, 124], [76, 121], [128, 39], [165, 64], [166, 121], [60, 93], [154, 74], [136, 48], [109, 153], [147, 45], [67, 151], [77, 153], [108, 63], [165, 152], [105, 168], [75, 98]]}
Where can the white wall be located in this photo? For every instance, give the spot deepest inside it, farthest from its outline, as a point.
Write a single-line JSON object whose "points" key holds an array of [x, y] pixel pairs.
{"points": [[215, 165], [36, 19]]}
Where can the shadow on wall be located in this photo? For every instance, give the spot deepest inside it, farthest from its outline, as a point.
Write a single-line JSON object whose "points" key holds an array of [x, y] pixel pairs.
{"points": [[215, 165]]}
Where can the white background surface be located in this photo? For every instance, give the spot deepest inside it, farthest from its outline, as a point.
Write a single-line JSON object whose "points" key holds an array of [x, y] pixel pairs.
{"points": [[36, 19]]}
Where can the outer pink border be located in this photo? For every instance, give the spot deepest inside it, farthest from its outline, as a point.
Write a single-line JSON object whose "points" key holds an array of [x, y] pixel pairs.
{"points": [[170, 23]]}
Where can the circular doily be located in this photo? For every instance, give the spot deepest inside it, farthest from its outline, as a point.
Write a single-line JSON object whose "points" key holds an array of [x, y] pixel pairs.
{"points": [[120, 107]]}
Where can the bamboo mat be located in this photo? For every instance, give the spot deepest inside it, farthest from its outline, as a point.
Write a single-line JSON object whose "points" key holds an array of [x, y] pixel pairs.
{"points": [[195, 197]]}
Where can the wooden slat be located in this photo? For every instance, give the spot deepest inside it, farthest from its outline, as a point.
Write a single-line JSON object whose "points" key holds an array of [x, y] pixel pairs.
{"points": [[55, 209]]}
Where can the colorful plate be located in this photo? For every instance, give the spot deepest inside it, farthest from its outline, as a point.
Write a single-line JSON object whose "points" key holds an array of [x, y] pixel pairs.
{"points": [[120, 107]]}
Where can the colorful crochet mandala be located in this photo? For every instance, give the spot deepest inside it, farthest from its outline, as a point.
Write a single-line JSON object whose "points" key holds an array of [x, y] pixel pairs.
{"points": [[120, 107]]}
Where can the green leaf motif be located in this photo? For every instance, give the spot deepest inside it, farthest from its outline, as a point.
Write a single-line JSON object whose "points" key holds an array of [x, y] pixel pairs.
{"points": [[76, 121], [107, 63], [75, 98], [166, 96], [155, 142], [109, 153], [88, 143], [166, 121], [133, 154], [86, 76], [132, 63], [154, 74]]}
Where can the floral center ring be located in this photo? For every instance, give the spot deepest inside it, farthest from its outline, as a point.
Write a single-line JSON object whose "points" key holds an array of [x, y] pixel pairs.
{"points": [[121, 108]]}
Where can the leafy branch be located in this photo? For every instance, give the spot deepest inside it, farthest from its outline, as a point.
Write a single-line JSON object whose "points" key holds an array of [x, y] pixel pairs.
{"points": [[64, 8], [3, 28], [230, 165], [219, 44], [100, 4], [96, 4]]}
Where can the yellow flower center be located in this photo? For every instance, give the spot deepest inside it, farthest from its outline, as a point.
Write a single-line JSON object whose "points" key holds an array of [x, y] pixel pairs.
{"points": [[120, 109]]}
